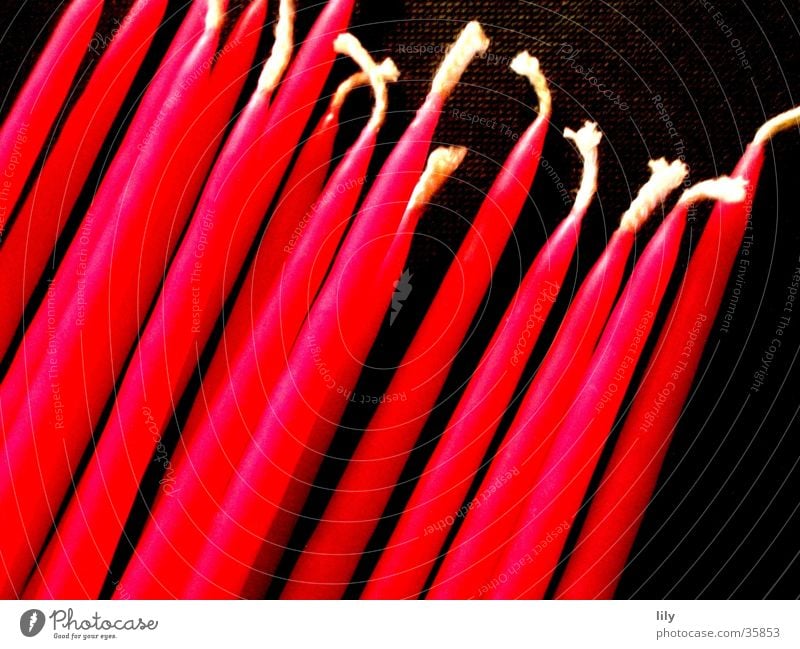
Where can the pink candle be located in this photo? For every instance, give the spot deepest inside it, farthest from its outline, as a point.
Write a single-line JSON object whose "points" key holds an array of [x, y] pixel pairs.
{"points": [[495, 515], [410, 553], [524, 569], [369, 479], [302, 189], [594, 568], [216, 434], [264, 479], [37, 105], [76, 561], [84, 330]]}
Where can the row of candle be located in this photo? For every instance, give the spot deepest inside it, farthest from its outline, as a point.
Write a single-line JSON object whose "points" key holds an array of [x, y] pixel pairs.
{"points": [[194, 196]]}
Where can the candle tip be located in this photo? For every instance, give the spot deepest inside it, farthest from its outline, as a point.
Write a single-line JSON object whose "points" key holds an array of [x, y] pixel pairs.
{"points": [[528, 66], [778, 123], [378, 75], [724, 188], [442, 163], [471, 42], [664, 178], [586, 139], [281, 49]]}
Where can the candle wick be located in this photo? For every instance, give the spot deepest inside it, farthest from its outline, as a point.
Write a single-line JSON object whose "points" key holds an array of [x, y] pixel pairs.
{"points": [[586, 139], [664, 178], [281, 49], [378, 75], [724, 188], [387, 69], [528, 66], [442, 163], [778, 123], [471, 42]]}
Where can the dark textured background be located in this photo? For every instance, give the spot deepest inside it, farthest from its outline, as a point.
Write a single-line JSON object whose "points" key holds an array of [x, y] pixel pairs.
{"points": [[724, 522]]}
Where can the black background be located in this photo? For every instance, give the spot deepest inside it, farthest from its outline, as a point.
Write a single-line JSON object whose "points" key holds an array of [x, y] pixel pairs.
{"points": [[724, 520]]}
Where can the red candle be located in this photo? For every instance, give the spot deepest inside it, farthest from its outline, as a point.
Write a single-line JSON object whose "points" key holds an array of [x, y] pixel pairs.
{"points": [[199, 473], [76, 561], [594, 568], [264, 479], [37, 105], [90, 315], [23, 256], [495, 512], [410, 553], [525, 567], [264, 556], [159, 100], [370, 477]]}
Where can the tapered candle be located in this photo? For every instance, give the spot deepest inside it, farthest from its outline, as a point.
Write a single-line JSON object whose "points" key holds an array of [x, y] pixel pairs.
{"points": [[363, 325], [89, 301], [40, 100], [525, 567], [24, 253], [594, 568], [253, 499], [380, 456], [411, 551], [161, 100], [494, 514], [304, 185], [76, 561]]}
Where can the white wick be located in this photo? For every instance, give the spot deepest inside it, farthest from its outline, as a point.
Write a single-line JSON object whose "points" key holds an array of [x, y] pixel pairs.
{"points": [[442, 163], [528, 66], [664, 178], [587, 139], [725, 189], [281, 52], [471, 42], [776, 124]]}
